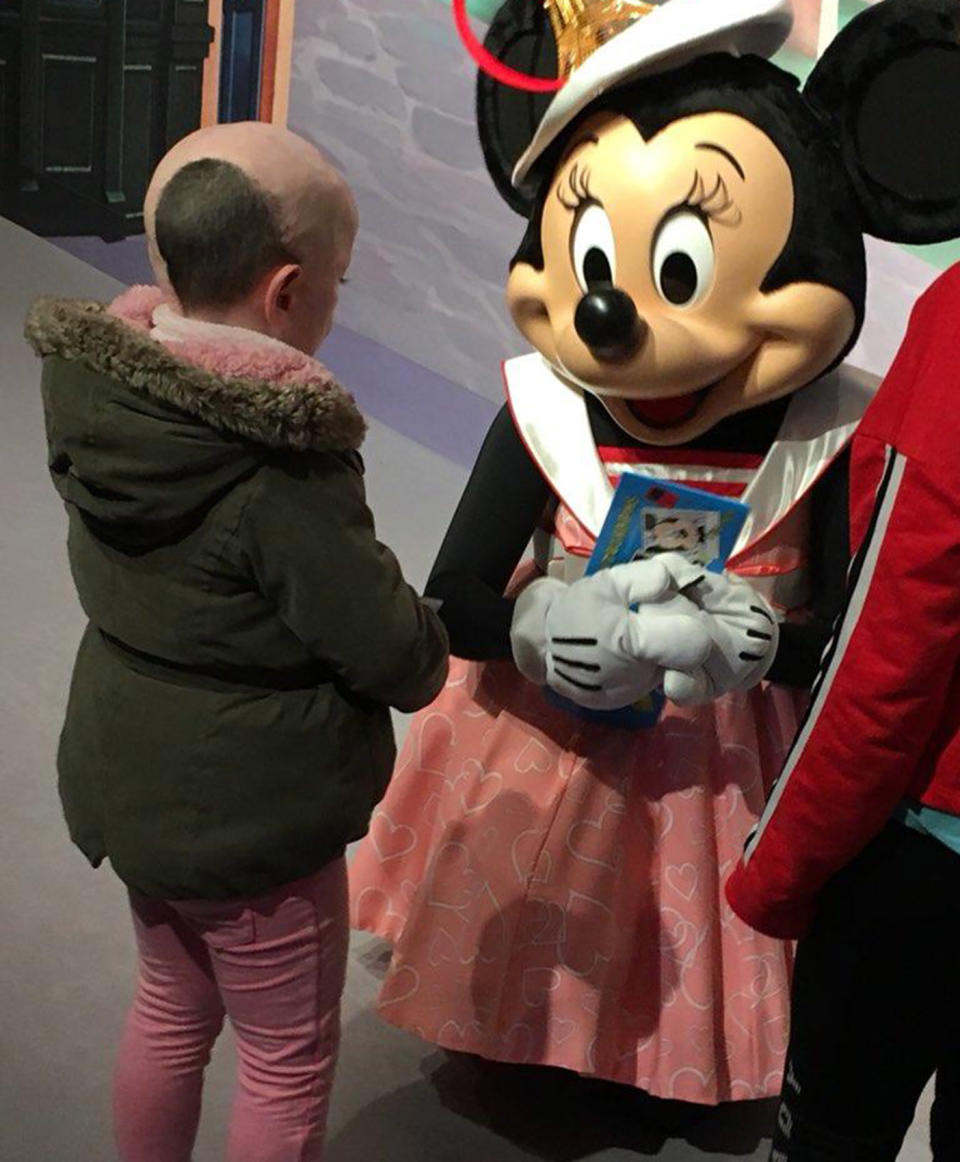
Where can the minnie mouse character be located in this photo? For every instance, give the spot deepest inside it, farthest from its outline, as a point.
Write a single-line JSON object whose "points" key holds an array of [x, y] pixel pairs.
{"points": [[692, 277]]}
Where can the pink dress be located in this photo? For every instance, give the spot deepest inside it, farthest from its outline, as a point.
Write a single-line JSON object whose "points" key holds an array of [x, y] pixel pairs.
{"points": [[553, 886]]}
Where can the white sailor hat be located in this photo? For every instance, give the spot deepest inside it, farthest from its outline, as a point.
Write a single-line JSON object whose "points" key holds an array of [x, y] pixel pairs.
{"points": [[654, 37]]}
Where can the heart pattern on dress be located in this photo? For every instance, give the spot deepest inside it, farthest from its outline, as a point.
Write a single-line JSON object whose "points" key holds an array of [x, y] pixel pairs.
{"points": [[435, 741], [533, 759], [402, 984], [538, 983], [453, 882], [391, 840], [683, 880], [478, 787], [560, 1029], [443, 949]]}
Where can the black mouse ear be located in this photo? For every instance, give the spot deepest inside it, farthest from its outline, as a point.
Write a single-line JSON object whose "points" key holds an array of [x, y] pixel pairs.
{"points": [[521, 37], [890, 86]]}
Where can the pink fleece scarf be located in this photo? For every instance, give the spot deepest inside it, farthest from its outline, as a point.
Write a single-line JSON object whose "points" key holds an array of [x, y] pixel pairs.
{"points": [[231, 352]]}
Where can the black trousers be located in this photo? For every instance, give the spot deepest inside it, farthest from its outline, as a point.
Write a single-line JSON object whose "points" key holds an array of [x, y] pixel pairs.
{"points": [[876, 1008]]}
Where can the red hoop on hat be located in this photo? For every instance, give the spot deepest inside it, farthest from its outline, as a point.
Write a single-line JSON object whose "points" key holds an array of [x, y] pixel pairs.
{"points": [[494, 68]]}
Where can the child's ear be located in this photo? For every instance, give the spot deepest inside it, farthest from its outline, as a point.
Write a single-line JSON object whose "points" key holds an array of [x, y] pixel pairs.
{"points": [[521, 37], [890, 86], [280, 288]]}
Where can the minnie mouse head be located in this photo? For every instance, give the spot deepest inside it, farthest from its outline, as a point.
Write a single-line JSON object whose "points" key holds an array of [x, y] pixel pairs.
{"points": [[694, 245]]}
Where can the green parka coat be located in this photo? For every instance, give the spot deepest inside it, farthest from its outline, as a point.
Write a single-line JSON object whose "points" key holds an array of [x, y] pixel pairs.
{"points": [[228, 727]]}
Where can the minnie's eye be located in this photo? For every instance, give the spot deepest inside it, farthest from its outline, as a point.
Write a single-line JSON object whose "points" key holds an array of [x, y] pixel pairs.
{"points": [[684, 260], [593, 249]]}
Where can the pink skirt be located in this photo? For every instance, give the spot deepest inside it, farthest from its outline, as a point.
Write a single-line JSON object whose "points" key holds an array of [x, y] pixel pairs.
{"points": [[552, 888]]}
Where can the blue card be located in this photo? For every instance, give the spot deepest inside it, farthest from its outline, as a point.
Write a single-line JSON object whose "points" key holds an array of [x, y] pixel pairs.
{"points": [[647, 517]]}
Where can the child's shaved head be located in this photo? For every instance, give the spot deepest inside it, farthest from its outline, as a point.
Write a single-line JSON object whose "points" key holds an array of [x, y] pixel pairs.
{"points": [[230, 204], [312, 203]]}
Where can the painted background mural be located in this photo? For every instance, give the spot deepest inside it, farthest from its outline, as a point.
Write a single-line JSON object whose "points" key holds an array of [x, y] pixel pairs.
{"points": [[386, 89]]}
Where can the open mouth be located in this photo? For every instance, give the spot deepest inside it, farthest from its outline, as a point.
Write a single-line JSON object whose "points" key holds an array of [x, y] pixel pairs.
{"points": [[669, 412]]}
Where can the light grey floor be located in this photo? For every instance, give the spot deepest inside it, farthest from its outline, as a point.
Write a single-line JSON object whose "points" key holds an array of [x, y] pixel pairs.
{"points": [[65, 953]]}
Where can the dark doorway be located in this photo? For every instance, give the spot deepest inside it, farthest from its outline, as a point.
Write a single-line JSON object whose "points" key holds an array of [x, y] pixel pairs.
{"points": [[92, 94]]}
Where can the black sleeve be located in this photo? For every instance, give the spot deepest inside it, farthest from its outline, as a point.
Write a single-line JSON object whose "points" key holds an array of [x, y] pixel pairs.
{"points": [[802, 645], [498, 513]]}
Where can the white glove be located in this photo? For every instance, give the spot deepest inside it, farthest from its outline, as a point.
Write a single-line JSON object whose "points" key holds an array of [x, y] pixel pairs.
{"points": [[744, 630], [585, 642], [528, 629]]}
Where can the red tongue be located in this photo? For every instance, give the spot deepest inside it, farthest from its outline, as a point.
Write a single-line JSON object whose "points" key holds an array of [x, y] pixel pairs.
{"points": [[665, 412]]}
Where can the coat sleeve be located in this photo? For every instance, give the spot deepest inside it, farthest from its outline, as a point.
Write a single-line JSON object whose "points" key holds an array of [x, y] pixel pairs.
{"points": [[876, 704], [310, 540]]}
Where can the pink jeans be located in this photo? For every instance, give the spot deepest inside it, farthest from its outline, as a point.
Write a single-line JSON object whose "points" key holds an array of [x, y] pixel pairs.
{"points": [[275, 965]]}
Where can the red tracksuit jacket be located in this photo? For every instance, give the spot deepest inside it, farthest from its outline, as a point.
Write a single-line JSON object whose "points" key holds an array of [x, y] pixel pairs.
{"points": [[884, 721]]}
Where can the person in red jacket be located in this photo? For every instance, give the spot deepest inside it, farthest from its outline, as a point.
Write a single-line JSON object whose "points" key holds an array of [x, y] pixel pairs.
{"points": [[858, 852]]}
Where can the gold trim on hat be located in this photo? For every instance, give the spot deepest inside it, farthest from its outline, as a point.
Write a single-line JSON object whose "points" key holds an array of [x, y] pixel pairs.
{"points": [[580, 27]]}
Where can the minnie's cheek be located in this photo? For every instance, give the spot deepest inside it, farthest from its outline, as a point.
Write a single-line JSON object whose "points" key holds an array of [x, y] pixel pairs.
{"points": [[528, 311], [537, 328]]}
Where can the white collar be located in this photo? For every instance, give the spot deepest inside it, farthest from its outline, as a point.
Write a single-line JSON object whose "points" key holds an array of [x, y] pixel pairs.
{"points": [[819, 423], [552, 419]]}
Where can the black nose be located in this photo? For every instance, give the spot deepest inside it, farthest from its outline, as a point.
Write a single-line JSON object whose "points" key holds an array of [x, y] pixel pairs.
{"points": [[607, 321]]}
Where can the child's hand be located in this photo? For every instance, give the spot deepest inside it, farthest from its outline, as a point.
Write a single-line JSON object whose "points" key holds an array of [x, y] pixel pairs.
{"points": [[588, 644]]}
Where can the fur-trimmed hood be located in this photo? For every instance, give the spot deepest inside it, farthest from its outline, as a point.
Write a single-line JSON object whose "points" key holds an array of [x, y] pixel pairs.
{"points": [[146, 436], [267, 393]]}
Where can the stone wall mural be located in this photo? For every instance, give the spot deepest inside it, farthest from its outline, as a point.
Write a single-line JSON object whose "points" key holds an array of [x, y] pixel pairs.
{"points": [[384, 87]]}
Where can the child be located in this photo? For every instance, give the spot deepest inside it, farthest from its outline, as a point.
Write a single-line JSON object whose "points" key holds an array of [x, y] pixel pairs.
{"points": [[858, 852], [228, 730]]}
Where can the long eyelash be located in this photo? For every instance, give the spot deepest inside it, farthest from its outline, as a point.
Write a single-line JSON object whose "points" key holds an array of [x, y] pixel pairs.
{"points": [[717, 204], [577, 186]]}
